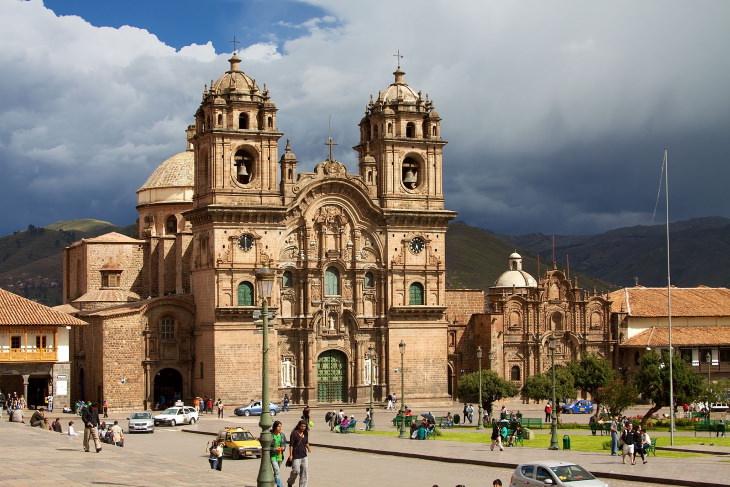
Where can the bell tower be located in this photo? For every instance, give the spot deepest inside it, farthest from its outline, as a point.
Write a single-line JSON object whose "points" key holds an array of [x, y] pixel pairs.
{"points": [[401, 131], [236, 143]]}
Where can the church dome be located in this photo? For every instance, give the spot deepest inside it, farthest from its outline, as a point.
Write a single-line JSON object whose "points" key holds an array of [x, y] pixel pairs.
{"points": [[171, 182], [515, 279], [234, 80], [515, 276], [399, 91]]}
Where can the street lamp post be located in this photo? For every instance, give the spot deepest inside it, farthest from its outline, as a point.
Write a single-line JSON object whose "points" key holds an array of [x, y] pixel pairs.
{"points": [[709, 366], [403, 434], [371, 349], [480, 426], [553, 417], [265, 281]]}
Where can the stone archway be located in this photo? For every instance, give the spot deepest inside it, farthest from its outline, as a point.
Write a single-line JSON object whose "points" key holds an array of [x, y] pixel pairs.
{"points": [[332, 377], [167, 387]]}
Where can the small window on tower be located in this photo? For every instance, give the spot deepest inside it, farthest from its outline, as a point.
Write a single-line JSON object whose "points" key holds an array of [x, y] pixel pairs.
{"points": [[410, 130], [171, 225], [243, 121], [270, 122], [220, 120]]}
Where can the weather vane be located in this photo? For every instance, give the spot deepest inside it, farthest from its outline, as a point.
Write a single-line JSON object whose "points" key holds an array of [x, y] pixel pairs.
{"points": [[398, 56], [235, 44]]}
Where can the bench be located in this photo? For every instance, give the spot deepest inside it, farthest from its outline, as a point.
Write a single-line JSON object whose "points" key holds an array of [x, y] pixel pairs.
{"points": [[409, 419], [651, 448], [441, 422], [711, 426], [532, 423]]}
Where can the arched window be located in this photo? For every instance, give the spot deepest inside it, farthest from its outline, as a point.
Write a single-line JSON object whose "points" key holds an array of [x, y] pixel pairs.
{"points": [[243, 121], [390, 128], [245, 294], [410, 130], [556, 321], [424, 129], [410, 173], [515, 320], [171, 225], [415, 294], [244, 166], [369, 280], [515, 373], [433, 131], [220, 120], [332, 282], [270, 122], [287, 280]]}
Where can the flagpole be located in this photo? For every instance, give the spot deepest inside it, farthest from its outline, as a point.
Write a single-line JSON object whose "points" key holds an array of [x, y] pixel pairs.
{"points": [[669, 307]]}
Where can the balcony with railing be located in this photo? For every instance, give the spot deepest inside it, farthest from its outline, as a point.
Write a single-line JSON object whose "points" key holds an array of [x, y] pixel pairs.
{"points": [[28, 354]]}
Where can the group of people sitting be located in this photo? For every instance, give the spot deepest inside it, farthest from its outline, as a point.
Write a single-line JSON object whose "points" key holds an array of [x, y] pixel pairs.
{"points": [[423, 430], [340, 422]]}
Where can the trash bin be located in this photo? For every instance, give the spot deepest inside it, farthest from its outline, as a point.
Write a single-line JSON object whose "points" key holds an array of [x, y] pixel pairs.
{"points": [[566, 442]]}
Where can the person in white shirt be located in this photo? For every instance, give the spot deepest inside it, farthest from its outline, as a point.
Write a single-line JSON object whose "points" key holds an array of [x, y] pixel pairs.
{"points": [[71, 431]]}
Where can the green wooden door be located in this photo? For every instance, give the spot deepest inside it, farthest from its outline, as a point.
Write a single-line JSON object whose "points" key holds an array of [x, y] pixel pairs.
{"points": [[332, 377]]}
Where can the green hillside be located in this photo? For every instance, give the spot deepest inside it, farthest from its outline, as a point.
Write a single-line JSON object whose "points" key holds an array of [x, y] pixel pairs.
{"points": [[475, 258], [31, 261]]}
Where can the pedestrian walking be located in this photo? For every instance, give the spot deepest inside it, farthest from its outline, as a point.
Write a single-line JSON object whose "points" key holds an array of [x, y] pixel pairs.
{"points": [[298, 450], [105, 406], [90, 418], [220, 408], [548, 412], [496, 436], [278, 447], [628, 438]]}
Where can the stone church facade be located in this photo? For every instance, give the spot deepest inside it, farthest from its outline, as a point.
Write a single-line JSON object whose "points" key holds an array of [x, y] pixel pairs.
{"points": [[359, 261], [520, 316]]}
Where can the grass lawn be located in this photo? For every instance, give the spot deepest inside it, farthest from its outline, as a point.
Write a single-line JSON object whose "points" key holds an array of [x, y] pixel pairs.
{"points": [[578, 442]]}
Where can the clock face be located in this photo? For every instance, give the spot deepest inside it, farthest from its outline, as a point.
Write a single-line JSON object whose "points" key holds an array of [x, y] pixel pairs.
{"points": [[417, 245], [245, 242]]}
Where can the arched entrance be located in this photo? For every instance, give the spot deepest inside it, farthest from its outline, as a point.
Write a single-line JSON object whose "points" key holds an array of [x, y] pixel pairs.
{"points": [[332, 377], [167, 387]]}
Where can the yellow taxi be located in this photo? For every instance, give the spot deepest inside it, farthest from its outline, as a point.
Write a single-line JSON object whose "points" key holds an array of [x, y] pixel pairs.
{"points": [[239, 443]]}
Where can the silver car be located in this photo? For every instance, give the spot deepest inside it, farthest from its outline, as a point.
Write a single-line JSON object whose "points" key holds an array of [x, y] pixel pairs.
{"points": [[141, 421], [551, 472]]}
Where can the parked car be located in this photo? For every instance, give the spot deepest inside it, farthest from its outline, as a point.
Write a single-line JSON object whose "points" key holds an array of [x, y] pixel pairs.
{"points": [[177, 415], [141, 421], [254, 409], [553, 473], [579, 406], [239, 443]]}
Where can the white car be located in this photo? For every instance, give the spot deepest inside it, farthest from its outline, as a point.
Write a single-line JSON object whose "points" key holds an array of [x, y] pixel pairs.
{"points": [[552, 472], [177, 415]]}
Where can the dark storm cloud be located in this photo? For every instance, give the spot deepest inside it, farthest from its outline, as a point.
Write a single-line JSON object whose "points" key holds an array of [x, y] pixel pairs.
{"points": [[556, 114]]}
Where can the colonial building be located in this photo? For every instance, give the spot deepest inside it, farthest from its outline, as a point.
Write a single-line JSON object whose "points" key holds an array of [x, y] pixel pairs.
{"points": [[35, 350], [521, 314], [700, 326], [359, 260]]}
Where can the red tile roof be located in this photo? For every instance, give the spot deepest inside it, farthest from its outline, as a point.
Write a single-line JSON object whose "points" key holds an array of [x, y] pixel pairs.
{"points": [[681, 336], [652, 302], [16, 310]]}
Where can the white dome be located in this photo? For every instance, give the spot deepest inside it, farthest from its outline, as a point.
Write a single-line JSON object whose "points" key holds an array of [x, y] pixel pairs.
{"points": [[515, 279]]}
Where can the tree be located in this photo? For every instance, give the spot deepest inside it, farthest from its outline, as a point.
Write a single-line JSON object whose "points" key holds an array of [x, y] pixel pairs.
{"points": [[592, 373], [652, 382], [540, 386], [616, 396], [494, 388]]}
